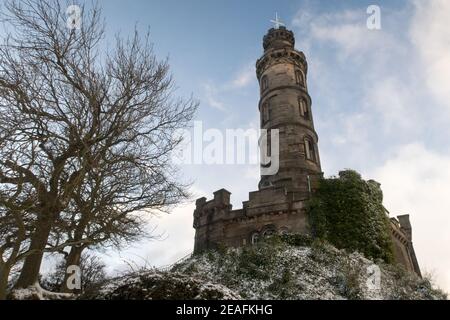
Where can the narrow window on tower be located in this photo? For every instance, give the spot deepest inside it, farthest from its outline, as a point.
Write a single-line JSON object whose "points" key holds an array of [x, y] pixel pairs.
{"points": [[309, 150], [298, 77], [269, 145], [303, 108], [269, 110], [265, 112], [264, 83]]}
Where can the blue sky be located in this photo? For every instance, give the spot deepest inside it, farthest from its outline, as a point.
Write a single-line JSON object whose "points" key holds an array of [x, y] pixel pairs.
{"points": [[380, 100]]}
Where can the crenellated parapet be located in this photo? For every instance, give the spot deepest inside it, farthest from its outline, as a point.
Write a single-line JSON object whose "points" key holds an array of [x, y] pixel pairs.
{"points": [[207, 212], [278, 38], [282, 55]]}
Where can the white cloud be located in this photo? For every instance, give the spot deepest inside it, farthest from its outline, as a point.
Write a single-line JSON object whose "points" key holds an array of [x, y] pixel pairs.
{"points": [[416, 181], [370, 52], [430, 33], [213, 93], [395, 101], [346, 30], [253, 172], [244, 77], [210, 96], [311, 26], [351, 38]]}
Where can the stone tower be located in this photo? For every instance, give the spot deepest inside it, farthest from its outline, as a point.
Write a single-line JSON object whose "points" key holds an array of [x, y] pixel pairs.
{"points": [[279, 204], [286, 105]]}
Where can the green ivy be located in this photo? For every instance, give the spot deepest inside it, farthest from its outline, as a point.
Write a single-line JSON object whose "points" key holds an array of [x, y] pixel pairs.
{"points": [[296, 239], [348, 212]]}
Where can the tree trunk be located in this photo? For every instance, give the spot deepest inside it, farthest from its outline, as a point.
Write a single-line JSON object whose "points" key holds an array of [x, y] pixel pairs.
{"points": [[29, 275], [73, 259], [4, 274]]}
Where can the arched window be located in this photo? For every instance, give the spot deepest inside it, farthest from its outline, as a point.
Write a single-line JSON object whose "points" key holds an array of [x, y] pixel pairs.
{"points": [[303, 108], [299, 79], [268, 231], [254, 238], [264, 83], [310, 151]]}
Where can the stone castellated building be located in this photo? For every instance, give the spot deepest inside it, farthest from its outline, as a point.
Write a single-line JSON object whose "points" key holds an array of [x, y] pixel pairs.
{"points": [[279, 204]]}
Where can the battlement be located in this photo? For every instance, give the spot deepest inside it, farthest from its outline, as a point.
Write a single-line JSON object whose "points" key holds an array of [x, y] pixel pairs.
{"points": [[278, 38], [221, 199], [217, 209]]}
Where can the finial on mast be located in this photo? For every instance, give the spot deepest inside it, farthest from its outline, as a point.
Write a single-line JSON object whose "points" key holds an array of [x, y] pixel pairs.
{"points": [[277, 22]]}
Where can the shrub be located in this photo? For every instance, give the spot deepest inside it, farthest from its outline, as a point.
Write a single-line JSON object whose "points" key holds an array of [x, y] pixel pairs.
{"points": [[255, 260], [347, 211], [296, 240], [350, 285], [282, 286]]}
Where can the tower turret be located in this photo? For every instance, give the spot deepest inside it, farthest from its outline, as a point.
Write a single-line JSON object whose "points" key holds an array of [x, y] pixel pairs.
{"points": [[286, 105]]}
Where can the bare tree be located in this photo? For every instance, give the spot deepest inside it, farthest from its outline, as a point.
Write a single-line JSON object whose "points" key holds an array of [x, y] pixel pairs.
{"points": [[103, 212], [14, 223], [72, 111], [16, 202]]}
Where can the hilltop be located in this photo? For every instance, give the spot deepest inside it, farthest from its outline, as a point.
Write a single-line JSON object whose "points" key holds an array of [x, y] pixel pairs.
{"points": [[288, 267]]}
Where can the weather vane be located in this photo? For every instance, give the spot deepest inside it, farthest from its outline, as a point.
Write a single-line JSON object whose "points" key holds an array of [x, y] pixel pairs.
{"points": [[277, 22]]}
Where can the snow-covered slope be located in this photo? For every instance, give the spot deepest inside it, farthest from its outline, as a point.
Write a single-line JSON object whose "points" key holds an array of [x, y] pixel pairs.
{"points": [[273, 270]]}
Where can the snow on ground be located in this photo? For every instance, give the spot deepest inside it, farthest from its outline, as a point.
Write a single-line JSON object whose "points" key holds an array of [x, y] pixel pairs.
{"points": [[273, 271], [35, 292]]}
